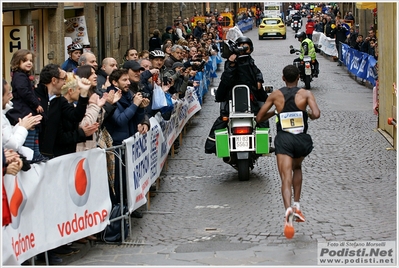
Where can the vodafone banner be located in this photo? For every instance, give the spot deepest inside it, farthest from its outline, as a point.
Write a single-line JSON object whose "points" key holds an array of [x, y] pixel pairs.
{"points": [[67, 198], [146, 154], [54, 203]]}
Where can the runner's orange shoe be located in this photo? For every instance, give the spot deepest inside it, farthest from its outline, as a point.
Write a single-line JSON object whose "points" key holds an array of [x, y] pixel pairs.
{"points": [[298, 215], [289, 230]]}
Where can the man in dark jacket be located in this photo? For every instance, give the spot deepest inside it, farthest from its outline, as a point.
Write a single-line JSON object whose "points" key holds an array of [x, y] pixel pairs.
{"points": [[329, 27], [56, 107], [176, 56], [52, 78], [128, 118], [108, 66], [340, 37], [198, 31]]}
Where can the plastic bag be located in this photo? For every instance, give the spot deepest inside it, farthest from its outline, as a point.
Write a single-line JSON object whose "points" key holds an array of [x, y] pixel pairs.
{"points": [[158, 98]]}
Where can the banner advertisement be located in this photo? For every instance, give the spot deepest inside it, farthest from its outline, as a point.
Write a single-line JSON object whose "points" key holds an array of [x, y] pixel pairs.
{"points": [[55, 203], [327, 45], [67, 198], [146, 154], [360, 64]]}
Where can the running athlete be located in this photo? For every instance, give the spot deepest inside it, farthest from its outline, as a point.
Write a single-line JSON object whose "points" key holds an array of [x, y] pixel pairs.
{"points": [[292, 143]]}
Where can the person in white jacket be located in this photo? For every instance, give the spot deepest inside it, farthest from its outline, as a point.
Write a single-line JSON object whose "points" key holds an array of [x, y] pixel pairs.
{"points": [[13, 137]]}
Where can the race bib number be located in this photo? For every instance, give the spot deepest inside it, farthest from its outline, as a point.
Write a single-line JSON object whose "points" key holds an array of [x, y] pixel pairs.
{"points": [[292, 122]]}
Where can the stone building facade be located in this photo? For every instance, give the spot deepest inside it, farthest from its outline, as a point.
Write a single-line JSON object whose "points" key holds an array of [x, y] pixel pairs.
{"points": [[111, 27]]}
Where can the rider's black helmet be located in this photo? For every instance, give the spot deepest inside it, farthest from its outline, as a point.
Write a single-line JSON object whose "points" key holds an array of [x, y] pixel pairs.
{"points": [[301, 35], [247, 40]]}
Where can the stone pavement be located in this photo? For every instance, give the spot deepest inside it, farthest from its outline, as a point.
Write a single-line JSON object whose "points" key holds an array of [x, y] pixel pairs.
{"points": [[202, 215]]}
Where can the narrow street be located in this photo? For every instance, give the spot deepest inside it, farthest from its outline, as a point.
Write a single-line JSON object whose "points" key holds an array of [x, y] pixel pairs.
{"points": [[203, 215]]}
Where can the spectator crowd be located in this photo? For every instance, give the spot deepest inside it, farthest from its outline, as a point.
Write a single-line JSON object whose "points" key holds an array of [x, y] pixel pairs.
{"points": [[333, 24], [85, 102]]}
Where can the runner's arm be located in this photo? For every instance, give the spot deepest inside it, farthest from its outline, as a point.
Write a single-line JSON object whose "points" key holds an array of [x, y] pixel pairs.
{"points": [[314, 108]]}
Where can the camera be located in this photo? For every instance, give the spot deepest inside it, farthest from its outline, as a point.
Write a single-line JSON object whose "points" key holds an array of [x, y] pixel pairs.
{"points": [[230, 47], [215, 47], [143, 94], [166, 80], [200, 66]]}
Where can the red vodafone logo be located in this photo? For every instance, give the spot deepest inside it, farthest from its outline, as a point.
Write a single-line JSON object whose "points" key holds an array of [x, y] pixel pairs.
{"points": [[79, 181], [17, 203]]}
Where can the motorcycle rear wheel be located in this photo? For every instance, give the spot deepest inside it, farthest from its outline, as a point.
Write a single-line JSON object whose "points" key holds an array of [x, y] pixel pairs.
{"points": [[243, 169], [307, 81]]}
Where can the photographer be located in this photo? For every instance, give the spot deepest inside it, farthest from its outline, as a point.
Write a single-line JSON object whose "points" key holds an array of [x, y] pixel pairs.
{"points": [[179, 87], [239, 69], [340, 32], [196, 60]]}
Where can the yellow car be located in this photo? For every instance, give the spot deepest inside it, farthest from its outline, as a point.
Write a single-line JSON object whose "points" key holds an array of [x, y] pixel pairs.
{"points": [[272, 27]]}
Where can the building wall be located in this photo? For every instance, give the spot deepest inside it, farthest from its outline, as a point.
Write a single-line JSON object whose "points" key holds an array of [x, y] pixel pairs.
{"points": [[387, 62]]}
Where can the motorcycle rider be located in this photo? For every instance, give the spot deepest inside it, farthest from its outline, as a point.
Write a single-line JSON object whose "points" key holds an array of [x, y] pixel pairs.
{"points": [[239, 69], [292, 143], [307, 48], [297, 17]]}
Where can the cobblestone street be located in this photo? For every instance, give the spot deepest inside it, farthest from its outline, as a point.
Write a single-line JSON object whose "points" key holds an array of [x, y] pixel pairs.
{"points": [[203, 215]]}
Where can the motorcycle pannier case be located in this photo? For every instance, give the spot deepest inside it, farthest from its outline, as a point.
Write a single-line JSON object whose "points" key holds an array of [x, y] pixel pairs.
{"points": [[262, 140], [222, 143]]}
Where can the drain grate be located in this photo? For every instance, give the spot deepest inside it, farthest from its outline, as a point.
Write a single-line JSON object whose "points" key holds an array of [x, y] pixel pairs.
{"points": [[129, 243]]}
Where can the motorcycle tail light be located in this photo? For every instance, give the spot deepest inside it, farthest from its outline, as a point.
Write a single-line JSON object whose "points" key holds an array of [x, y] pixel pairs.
{"points": [[242, 130], [281, 26], [261, 26]]}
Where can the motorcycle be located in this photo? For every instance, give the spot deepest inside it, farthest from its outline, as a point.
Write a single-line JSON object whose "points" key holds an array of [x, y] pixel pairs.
{"points": [[296, 25], [241, 143], [306, 67]]}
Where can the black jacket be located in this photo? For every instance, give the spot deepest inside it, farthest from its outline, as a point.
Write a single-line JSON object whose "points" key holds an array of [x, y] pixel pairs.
{"points": [[243, 72], [329, 29], [340, 34], [124, 121], [101, 79], [24, 99], [54, 112], [71, 135]]}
